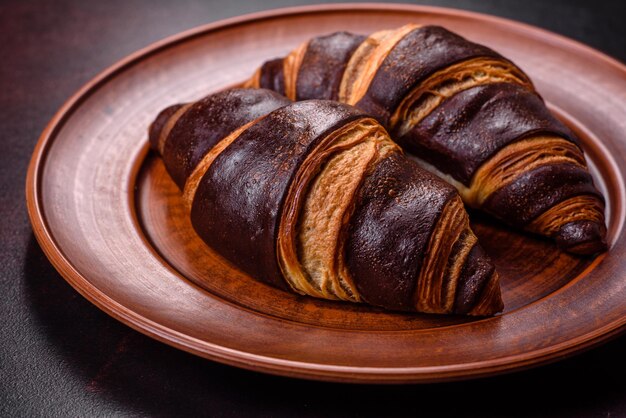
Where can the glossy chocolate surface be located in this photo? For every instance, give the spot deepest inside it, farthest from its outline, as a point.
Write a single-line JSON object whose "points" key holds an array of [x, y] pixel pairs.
{"points": [[419, 54], [156, 127], [238, 202], [273, 76], [208, 121], [548, 185], [582, 237], [395, 213], [323, 65], [471, 126], [476, 272]]}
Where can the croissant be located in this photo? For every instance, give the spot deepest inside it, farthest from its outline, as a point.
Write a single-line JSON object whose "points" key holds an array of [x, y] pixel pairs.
{"points": [[314, 197], [464, 113]]}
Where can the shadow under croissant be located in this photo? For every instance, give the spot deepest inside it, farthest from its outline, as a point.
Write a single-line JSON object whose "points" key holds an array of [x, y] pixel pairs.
{"points": [[124, 371]]}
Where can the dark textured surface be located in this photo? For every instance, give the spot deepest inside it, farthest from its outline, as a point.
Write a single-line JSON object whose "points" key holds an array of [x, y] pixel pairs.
{"points": [[419, 54], [467, 129], [239, 201], [158, 124], [551, 184], [474, 277], [61, 356], [323, 65], [272, 76], [210, 120], [387, 242]]}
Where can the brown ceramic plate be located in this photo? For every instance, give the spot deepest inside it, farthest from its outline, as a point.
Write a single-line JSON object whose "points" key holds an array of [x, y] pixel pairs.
{"points": [[112, 222]]}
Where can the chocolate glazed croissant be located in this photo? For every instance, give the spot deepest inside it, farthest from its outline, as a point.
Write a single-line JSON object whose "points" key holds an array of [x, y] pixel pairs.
{"points": [[314, 197], [465, 113]]}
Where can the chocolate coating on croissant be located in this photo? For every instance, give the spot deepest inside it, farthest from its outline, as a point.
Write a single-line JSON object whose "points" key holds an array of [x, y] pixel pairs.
{"points": [[550, 184], [323, 65], [251, 178], [395, 214], [471, 126], [418, 54], [209, 120], [277, 197], [470, 116], [273, 76], [582, 237], [156, 127], [476, 273]]}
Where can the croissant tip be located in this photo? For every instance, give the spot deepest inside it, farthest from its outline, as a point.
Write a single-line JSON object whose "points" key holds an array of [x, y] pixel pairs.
{"points": [[490, 302], [154, 131], [582, 237]]}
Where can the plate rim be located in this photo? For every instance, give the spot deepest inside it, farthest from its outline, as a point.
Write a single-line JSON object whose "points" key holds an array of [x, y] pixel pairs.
{"points": [[274, 365]]}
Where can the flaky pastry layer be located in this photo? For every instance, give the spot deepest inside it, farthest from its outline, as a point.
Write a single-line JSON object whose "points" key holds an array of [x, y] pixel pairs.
{"points": [[449, 81], [318, 209], [577, 208], [291, 67], [516, 159], [448, 247], [366, 60]]}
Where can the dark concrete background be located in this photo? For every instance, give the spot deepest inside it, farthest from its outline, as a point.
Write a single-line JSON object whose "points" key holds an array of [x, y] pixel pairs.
{"points": [[61, 356]]}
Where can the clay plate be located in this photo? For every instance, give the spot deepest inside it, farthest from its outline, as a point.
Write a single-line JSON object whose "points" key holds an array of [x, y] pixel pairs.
{"points": [[112, 222]]}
